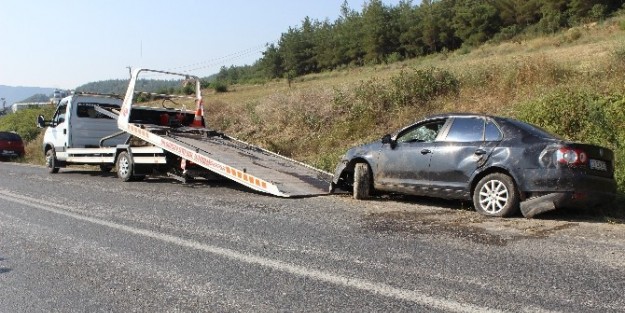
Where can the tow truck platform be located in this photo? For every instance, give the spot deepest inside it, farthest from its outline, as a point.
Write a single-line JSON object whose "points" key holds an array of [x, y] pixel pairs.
{"points": [[249, 165]]}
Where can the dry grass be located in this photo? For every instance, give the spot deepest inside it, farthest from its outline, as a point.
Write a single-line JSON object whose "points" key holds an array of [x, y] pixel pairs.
{"points": [[34, 151]]}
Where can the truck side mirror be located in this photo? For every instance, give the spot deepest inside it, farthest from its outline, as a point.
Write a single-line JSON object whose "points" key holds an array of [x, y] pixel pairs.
{"points": [[41, 122]]}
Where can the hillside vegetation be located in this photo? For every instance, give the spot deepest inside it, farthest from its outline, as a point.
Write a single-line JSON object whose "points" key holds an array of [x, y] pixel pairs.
{"points": [[380, 33]]}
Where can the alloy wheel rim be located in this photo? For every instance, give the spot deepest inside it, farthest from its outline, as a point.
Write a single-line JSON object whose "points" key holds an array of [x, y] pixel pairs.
{"points": [[494, 196]]}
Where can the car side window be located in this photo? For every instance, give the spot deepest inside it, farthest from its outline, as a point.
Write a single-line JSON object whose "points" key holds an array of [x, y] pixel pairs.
{"points": [[422, 133], [492, 132], [466, 130]]}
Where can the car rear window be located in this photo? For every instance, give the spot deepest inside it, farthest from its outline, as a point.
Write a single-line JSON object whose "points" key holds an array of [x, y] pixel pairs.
{"points": [[466, 130], [492, 132], [10, 136]]}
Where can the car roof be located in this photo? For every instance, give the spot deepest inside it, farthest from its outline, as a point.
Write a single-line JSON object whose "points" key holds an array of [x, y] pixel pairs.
{"points": [[458, 114], [5, 135]]}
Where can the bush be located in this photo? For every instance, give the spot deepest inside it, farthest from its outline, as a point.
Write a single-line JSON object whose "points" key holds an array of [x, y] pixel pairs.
{"points": [[584, 117], [408, 88], [421, 86], [507, 33], [219, 86]]}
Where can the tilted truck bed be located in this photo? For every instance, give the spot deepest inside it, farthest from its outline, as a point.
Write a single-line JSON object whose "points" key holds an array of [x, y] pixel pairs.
{"points": [[246, 164]]}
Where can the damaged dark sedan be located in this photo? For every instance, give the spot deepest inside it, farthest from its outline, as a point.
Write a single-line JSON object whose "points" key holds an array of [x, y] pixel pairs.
{"points": [[501, 164]]}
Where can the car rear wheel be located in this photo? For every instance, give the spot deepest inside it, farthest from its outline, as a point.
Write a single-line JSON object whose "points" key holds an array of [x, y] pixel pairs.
{"points": [[362, 181], [51, 161], [496, 195]]}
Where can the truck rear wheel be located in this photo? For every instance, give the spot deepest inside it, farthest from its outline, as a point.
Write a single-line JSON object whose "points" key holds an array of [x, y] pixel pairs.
{"points": [[51, 161], [125, 166]]}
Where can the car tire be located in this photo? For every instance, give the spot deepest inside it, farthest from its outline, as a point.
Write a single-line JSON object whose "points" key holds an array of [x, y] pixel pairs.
{"points": [[51, 161], [125, 166], [362, 181], [496, 195]]}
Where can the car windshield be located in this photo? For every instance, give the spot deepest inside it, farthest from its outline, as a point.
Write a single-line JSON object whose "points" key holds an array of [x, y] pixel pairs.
{"points": [[9, 136], [426, 132], [534, 130]]}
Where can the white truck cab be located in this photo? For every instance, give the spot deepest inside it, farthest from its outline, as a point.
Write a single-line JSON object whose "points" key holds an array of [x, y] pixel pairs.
{"points": [[77, 124], [84, 130]]}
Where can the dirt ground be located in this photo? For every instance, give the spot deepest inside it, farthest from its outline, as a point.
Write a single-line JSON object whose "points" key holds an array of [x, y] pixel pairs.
{"points": [[418, 215]]}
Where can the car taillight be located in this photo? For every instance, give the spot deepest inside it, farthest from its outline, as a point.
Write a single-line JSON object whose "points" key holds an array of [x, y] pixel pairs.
{"points": [[569, 156]]}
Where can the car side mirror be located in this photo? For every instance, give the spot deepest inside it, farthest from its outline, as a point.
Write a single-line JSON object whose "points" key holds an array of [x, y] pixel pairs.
{"points": [[41, 122], [387, 139]]}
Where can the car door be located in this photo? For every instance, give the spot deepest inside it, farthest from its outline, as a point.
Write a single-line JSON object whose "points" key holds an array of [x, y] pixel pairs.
{"points": [[59, 129], [466, 146], [402, 165]]}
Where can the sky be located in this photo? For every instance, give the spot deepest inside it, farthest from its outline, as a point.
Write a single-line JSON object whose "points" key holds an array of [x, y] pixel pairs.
{"points": [[67, 43]]}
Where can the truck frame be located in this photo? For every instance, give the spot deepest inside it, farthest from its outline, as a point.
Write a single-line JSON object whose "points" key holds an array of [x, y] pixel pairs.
{"points": [[176, 142]]}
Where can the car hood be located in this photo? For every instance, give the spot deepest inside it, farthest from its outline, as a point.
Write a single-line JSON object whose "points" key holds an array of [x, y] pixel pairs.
{"points": [[363, 149]]}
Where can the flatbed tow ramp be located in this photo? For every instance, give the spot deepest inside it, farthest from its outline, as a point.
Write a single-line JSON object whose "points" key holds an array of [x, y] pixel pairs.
{"points": [[249, 165]]}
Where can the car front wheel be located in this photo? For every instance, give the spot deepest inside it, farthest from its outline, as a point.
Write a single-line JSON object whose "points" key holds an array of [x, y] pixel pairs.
{"points": [[496, 195], [362, 181]]}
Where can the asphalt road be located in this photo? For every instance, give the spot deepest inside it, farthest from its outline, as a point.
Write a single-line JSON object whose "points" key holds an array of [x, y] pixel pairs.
{"points": [[82, 241]]}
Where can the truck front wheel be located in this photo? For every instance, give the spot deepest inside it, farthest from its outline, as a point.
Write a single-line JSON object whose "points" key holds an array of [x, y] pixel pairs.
{"points": [[124, 166], [51, 161]]}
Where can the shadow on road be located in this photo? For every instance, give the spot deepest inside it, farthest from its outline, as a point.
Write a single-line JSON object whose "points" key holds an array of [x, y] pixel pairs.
{"points": [[193, 183], [613, 213]]}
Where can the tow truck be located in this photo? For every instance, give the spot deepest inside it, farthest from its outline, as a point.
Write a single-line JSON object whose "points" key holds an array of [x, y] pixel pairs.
{"points": [[140, 141]]}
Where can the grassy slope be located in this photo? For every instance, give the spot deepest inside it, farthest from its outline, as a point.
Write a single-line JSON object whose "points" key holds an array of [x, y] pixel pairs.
{"points": [[305, 121]]}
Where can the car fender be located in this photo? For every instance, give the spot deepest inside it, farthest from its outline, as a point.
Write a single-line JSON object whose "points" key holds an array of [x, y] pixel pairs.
{"points": [[349, 160], [498, 161]]}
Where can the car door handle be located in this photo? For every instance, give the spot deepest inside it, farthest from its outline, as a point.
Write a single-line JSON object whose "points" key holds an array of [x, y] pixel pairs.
{"points": [[480, 152], [426, 151], [64, 131]]}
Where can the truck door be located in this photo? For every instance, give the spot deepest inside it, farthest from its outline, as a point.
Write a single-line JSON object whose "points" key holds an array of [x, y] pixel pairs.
{"points": [[59, 130]]}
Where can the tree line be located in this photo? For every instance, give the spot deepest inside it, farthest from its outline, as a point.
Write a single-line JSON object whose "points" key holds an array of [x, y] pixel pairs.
{"points": [[382, 33]]}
